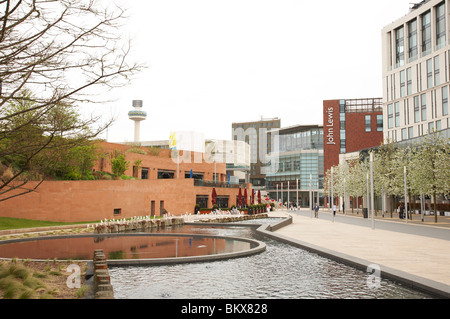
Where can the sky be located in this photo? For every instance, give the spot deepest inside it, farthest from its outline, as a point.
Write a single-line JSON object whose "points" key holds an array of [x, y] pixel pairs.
{"points": [[214, 62]]}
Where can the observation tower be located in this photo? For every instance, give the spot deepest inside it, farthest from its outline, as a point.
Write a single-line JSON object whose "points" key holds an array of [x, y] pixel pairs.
{"points": [[137, 115]]}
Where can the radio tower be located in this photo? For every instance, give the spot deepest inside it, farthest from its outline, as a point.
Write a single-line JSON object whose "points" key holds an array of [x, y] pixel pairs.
{"points": [[137, 115]]}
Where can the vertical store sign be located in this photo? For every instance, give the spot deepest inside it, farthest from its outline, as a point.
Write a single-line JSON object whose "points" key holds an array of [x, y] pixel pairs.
{"points": [[329, 126]]}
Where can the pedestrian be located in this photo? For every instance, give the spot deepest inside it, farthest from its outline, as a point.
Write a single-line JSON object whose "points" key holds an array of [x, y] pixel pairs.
{"points": [[316, 211], [401, 211], [334, 210]]}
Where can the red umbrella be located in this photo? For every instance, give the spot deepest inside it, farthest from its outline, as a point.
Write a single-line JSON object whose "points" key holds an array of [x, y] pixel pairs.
{"points": [[245, 197], [214, 196], [240, 198], [253, 196], [259, 196]]}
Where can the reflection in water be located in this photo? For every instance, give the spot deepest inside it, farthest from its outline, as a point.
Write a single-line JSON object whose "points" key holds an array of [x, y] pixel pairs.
{"points": [[282, 271], [122, 247]]}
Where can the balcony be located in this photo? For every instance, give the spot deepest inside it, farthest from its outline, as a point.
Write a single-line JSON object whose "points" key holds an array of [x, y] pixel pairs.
{"points": [[203, 183]]}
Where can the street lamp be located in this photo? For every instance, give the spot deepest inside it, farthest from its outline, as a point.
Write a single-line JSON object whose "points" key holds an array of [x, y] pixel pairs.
{"points": [[343, 201], [371, 186], [310, 193], [332, 195], [406, 202]]}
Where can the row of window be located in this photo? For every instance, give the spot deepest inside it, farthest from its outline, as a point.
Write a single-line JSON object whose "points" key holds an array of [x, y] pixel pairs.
{"points": [[420, 108], [433, 78], [304, 180], [425, 31], [368, 123], [422, 129]]}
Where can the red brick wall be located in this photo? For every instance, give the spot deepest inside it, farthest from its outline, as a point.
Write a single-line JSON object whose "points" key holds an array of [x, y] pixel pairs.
{"points": [[357, 137], [76, 201]]}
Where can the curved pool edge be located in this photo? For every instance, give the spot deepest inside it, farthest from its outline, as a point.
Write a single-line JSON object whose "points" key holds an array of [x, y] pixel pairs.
{"points": [[413, 281], [258, 248], [261, 247]]}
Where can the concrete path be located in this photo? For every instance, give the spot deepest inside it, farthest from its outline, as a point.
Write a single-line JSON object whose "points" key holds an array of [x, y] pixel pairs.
{"points": [[420, 259]]}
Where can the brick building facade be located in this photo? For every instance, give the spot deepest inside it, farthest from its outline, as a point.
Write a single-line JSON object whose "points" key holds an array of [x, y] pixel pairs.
{"points": [[161, 183], [350, 126]]}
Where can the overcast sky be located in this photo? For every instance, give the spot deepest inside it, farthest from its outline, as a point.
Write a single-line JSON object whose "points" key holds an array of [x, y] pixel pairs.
{"points": [[215, 62]]}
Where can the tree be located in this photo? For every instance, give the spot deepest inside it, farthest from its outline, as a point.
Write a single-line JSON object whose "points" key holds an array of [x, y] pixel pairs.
{"points": [[62, 51], [430, 166], [119, 164], [356, 183]]}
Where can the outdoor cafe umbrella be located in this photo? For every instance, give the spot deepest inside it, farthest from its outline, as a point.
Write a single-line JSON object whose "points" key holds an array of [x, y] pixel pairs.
{"points": [[213, 196], [245, 197], [191, 174], [259, 196], [253, 196], [240, 197]]}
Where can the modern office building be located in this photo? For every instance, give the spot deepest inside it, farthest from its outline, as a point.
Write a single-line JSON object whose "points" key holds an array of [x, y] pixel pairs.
{"points": [[416, 72], [255, 134], [349, 126], [295, 165]]}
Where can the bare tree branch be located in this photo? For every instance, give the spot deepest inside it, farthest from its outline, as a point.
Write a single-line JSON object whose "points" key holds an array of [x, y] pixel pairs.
{"points": [[59, 52]]}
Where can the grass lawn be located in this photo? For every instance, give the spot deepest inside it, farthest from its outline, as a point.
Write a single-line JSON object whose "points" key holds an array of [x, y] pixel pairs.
{"points": [[18, 223]]}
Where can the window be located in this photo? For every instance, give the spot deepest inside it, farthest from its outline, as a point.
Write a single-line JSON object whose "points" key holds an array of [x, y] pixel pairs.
{"points": [[397, 114], [379, 123], [410, 132], [400, 50], [368, 123], [436, 71], [440, 25], [404, 136], [408, 81], [423, 106], [162, 174], [202, 201], [412, 36], [430, 127], [416, 109], [445, 100], [161, 208], [402, 83], [429, 73], [144, 173], [426, 33], [438, 125], [152, 208], [390, 116], [117, 211]]}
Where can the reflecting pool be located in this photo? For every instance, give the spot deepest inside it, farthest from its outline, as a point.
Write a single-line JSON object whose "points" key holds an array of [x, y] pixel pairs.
{"points": [[123, 246]]}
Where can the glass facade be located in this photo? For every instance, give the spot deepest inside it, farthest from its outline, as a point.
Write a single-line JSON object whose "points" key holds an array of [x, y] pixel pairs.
{"points": [[300, 158], [306, 140]]}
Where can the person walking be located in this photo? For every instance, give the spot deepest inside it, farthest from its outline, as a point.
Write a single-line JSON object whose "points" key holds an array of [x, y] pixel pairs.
{"points": [[334, 210], [316, 211]]}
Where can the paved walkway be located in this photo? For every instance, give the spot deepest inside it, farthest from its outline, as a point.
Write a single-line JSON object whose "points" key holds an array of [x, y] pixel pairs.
{"points": [[422, 260]]}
